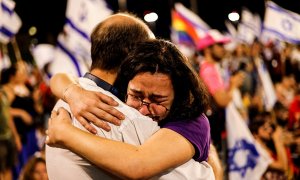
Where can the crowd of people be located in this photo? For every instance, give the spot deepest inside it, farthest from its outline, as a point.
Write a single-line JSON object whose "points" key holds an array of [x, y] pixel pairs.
{"points": [[275, 129], [25, 108], [184, 97]]}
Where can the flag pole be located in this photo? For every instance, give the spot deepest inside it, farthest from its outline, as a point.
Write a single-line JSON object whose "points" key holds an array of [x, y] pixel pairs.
{"points": [[122, 5], [16, 49], [3, 53]]}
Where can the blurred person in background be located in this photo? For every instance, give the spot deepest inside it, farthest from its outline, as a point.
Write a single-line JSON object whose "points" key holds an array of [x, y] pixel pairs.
{"points": [[285, 89], [271, 56], [220, 87], [34, 169], [269, 136], [10, 142], [294, 113], [25, 109]]}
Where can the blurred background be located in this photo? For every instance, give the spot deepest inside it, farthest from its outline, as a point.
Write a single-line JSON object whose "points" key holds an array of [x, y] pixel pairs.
{"points": [[48, 17]]}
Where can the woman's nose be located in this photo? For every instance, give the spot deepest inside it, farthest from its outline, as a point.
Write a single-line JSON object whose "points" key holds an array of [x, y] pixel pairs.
{"points": [[145, 110]]}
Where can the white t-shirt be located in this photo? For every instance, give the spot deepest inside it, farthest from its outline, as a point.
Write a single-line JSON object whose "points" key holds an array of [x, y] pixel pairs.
{"points": [[63, 164]]}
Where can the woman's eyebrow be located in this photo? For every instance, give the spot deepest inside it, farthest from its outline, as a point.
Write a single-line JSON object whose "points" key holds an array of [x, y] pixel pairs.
{"points": [[135, 91], [157, 96]]}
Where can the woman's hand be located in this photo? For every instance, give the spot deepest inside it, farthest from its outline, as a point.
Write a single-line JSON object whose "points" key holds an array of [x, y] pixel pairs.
{"points": [[93, 107], [59, 123]]}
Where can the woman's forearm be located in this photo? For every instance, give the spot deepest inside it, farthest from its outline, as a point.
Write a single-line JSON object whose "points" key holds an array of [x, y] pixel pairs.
{"points": [[125, 160], [95, 149]]}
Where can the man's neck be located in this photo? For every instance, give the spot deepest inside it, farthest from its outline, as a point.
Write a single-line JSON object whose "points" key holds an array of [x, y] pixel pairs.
{"points": [[109, 77]]}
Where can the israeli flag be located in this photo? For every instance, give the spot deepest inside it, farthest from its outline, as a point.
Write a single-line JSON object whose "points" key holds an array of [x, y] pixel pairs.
{"points": [[250, 26], [73, 49], [281, 23], [246, 158], [10, 22], [83, 15], [245, 33], [66, 61], [251, 20], [269, 95]]}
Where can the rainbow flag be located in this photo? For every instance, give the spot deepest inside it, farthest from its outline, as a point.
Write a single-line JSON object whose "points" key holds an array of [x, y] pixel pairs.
{"points": [[187, 26]]}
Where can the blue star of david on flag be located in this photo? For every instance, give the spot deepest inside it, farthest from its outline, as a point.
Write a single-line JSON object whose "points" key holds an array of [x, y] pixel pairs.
{"points": [[287, 25], [281, 24], [247, 160], [249, 153]]}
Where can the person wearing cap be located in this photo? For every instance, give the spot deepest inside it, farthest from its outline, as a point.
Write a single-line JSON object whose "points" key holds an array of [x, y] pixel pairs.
{"points": [[211, 46]]}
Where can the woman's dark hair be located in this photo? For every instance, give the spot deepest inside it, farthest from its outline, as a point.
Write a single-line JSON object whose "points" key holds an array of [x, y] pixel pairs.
{"points": [[7, 73], [256, 123], [259, 120], [160, 56]]}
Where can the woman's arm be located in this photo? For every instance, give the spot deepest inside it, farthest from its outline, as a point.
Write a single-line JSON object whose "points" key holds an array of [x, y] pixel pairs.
{"points": [[21, 113], [282, 161], [215, 162], [163, 150], [87, 106], [13, 128]]}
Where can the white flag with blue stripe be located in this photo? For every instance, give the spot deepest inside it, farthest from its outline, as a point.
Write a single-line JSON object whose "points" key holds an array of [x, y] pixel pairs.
{"points": [[10, 22], [269, 94], [73, 48], [250, 26], [65, 61], [246, 158], [281, 23]]}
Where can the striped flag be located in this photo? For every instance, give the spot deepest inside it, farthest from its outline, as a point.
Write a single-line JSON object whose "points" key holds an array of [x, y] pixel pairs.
{"points": [[73, 49], [247, 160], [187, 27], [66, 61], [10, 22], [269, 94], [250, 26], [281, 24]]}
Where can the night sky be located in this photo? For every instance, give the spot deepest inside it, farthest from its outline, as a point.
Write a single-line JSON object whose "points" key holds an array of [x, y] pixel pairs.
{"points": [[48, 16]]}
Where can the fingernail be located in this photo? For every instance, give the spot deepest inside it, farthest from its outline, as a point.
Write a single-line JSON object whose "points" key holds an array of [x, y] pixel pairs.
{"points": [[107, 128], [122, 117], [94, 131]]}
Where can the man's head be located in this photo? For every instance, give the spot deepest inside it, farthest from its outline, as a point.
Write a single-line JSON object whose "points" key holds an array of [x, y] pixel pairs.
{"points": [[114, 37], [163, 63], [215, 51], [212, 45]]}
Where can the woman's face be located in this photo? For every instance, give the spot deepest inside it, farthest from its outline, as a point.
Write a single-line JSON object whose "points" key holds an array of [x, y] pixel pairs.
{"points": [[151, 94], [40, 172], [265, 131]]}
